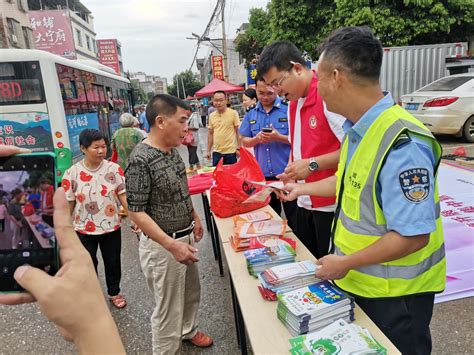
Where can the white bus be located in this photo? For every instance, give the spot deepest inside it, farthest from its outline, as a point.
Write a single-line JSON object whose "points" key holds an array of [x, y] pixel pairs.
{"points": [[47, 100]]}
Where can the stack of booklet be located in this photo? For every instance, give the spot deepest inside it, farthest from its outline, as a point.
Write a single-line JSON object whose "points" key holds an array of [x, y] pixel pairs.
{"points": [[261, 259], [312, 307], [287, 277], [265, 241], [258, 230], [339, 337]]}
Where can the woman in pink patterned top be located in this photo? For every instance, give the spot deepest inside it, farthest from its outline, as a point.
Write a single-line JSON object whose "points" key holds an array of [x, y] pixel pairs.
{"points": [[95, 188]]}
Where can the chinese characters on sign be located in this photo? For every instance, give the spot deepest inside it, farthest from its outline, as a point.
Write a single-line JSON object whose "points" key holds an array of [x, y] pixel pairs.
{"points": [[7, 137], [30, 130], [457, 210], [217, 67], [52, 32], [108, 54]]}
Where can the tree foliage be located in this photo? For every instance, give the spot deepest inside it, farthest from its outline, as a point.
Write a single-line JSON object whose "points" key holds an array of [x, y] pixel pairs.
{"points": [[396, 22], [302, 22], [257, 35], [191, 84], [139, 95], [409, 22]]}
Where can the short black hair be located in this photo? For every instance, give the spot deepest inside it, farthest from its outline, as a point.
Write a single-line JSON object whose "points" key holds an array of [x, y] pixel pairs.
{"points": [[251, 93], [163, 104], [279, 54], [219, 92], [45, 181], [354, 49], [88, 136], [16, 192]]}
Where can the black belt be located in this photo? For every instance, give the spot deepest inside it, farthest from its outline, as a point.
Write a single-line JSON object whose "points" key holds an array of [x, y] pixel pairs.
{"points": [[183, 232]]}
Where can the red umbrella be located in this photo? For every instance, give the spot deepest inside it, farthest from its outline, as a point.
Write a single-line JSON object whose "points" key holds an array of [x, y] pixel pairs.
{"points": [[217, 85]]}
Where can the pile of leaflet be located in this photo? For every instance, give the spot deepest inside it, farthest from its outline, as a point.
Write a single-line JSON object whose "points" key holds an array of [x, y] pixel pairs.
{"points": [[312, 307], [287, 277], [261, 259], [258, 230], [339, 337]]}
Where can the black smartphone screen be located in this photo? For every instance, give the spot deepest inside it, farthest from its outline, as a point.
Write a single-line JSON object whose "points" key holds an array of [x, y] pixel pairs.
{"points": [[267, 129], [26, 216]]}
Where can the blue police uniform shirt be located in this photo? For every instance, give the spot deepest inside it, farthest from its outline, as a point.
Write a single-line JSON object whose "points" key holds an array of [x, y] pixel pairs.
{"points": [[144, 121], [410, 161], [272, 157]]}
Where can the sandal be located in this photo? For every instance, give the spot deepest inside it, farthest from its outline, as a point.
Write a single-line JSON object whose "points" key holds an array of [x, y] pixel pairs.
{"points": [[118, 301]]}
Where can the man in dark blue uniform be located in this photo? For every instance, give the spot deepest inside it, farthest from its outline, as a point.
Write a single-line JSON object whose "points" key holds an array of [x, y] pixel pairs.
{"points": [[265, 128]]}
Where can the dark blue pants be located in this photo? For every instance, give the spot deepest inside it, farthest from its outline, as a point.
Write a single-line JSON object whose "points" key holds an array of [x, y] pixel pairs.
{"points": [[228, 158]]}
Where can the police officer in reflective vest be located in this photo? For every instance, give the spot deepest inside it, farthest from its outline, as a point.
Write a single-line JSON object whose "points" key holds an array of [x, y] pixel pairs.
{"points": [[388, 238]]}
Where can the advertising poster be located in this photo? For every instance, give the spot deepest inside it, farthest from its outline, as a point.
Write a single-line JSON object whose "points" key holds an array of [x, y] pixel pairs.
{"points": [[456, 186], [28, 130], [52, 32], [108, 55], [217, 67], [75, 124], [251, 74]]}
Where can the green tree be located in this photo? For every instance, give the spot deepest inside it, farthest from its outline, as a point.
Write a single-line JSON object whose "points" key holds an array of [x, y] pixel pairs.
{"points": [[191, 84], [139, 94], [149, 95], [307, 23], [256, 36], [302, 22], [409, 22]]}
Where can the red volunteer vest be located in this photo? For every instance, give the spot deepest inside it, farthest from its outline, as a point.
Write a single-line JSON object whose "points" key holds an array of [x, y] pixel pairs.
{"points": [[317, 137]]}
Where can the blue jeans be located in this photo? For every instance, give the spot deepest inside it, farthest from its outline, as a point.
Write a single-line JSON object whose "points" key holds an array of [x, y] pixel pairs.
{"points": [[228, 158]]}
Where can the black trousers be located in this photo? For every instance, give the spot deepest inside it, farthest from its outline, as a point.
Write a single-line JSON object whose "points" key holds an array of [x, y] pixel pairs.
{"points": [[230, 158], [110, 248], [313, 228], [193, 157], [404, 320]]}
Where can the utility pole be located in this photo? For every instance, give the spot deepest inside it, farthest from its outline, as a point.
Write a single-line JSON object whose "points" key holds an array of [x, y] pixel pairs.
{"points": [[224, 44]]}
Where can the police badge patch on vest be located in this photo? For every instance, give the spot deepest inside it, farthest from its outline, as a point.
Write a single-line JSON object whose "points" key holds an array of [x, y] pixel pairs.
{"points": [[415, 184]]}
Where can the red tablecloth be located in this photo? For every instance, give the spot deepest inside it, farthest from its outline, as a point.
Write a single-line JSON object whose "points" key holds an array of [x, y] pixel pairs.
{"points": [[199, 183]]}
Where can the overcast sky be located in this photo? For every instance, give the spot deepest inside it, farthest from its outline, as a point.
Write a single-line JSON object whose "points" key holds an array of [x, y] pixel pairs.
{"points": [[153, 32]]}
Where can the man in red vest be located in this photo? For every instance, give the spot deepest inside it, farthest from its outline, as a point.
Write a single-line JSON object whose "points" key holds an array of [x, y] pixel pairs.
{"points": [[315, 136]]}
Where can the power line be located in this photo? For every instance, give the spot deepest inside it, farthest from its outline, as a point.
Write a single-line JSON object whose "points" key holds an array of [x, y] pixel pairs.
{"points": [[215, 15]]}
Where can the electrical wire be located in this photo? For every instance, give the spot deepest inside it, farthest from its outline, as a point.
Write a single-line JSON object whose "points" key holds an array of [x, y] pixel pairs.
{"points": [[215, 15]]}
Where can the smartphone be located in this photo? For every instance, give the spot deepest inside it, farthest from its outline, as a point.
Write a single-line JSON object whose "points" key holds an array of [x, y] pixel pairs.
{"points": [[27, 236], [267, 129]]}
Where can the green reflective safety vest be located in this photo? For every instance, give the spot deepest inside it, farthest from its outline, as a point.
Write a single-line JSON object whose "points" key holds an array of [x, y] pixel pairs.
{"points": [[361, 221]]}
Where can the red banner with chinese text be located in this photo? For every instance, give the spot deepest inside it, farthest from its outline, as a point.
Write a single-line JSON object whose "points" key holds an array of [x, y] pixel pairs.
{"points": [[217, 67], [52, 32]]}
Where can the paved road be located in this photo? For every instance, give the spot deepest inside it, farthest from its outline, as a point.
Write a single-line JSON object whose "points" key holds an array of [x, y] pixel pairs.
{"points": [[23, 330]]}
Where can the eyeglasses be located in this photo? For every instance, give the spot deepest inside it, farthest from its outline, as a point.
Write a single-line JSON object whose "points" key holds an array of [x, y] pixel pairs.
{"points": [[277, 85]]}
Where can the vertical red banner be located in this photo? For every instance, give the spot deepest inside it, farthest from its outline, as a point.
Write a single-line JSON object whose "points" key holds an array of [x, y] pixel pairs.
{"points": [[108, 54], [217, 67]]}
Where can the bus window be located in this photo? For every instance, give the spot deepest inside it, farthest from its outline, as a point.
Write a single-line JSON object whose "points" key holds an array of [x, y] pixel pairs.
{"points": [[81, 112], [21, 83]]}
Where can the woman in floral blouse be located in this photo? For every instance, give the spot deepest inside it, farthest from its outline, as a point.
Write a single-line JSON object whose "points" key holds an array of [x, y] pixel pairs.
{"points": [[94, 188]]}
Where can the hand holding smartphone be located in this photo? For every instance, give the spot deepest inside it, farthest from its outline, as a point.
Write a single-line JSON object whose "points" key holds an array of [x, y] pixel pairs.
{"points": [[27, 236]]}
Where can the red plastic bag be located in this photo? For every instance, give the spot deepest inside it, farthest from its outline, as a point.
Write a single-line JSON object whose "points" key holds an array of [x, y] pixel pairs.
{"points": [[114, 156], [231, 186], [28, 209], [188, 138]]}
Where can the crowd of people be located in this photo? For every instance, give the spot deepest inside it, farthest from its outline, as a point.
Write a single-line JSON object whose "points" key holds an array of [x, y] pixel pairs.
{"points": [[34, 197], [360, 176]]}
